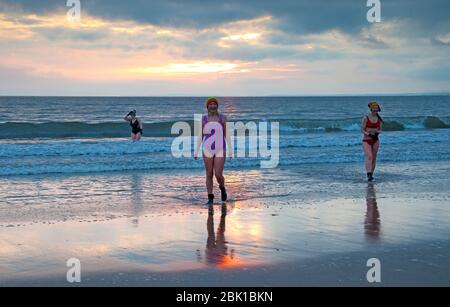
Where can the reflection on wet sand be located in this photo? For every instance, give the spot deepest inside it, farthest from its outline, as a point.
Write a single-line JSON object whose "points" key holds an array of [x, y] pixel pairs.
{"points": [[217, 252], [136, 199], [372, 221]]}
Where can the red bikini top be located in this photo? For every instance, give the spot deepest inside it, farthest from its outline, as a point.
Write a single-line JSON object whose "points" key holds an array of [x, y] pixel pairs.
{"points": [[375, 125]]}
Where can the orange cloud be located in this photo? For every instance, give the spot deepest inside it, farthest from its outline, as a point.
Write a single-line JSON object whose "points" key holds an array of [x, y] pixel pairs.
{"points": [[187, 68]]}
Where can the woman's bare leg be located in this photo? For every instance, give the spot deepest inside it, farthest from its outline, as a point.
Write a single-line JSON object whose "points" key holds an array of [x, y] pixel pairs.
{"points": [[219, 163], [367, 148], [209, 168], [374, 155]]}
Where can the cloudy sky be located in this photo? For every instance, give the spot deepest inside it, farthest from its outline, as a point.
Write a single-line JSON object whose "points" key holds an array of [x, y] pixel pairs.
{"points": [[237, 47]]}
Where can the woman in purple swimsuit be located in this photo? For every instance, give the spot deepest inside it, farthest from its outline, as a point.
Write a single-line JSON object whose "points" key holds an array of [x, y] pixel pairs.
{"points": [[214, 139]]}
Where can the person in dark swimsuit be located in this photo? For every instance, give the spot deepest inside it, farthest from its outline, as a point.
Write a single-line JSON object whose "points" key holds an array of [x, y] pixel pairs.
{"points": [[136, 125], [371, 128]]}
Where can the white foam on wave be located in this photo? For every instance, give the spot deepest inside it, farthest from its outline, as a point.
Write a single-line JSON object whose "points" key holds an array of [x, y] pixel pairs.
{"points": [[81, 148], [414, 126], [88, 156], [352, 127]]}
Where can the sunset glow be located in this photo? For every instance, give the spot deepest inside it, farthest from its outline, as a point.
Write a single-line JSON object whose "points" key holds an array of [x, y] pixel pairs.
{"points": [[302, 54]]}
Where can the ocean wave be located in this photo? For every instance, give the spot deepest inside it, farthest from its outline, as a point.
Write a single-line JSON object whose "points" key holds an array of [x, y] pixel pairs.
{"points": [[353, 124], [61, 130], [349, 139], [52, 157], [149, 146], [18, 130], [67, 148], [393, 126], [434, 122], [98, 166]]}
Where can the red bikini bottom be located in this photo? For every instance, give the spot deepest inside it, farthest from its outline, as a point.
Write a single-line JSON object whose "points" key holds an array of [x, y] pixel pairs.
{"points": [[370, 142]]}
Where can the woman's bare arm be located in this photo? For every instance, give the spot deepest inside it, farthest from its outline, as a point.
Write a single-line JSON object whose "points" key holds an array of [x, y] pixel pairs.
{"points": [[363, 126], [381, 127], [227, 137], [199, 134]]}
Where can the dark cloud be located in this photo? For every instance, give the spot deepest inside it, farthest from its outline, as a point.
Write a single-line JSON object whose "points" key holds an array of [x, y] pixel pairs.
{"points": [[292, 16], [248, 53]]}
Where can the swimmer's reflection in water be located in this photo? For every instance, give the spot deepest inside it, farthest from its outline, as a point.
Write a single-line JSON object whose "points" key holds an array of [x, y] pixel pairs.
{"points": [[372, 221], [216, 250], [136, 200]]}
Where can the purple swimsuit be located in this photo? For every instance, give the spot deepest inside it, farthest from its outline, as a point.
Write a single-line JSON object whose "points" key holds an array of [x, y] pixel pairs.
{"points": [[206, 136]]}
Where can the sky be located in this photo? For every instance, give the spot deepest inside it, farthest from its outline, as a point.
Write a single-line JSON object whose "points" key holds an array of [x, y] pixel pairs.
{"points": [[223, 48]]}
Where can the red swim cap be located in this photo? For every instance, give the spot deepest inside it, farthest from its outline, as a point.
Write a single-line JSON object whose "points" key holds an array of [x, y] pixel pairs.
{"points": [[212, 100]]}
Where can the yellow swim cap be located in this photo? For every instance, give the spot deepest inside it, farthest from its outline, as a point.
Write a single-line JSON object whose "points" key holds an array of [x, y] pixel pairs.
{"points": [[374, 104]]}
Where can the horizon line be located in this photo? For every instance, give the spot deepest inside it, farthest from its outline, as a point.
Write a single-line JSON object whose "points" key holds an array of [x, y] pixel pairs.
{"points": [[271, 95]]}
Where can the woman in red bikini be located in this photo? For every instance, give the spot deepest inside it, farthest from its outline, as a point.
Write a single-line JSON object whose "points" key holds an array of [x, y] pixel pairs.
{"points": [[371, 128]]}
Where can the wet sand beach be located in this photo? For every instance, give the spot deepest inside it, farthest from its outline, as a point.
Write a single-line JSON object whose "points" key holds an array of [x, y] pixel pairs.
{"points": [[303, 225]]}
